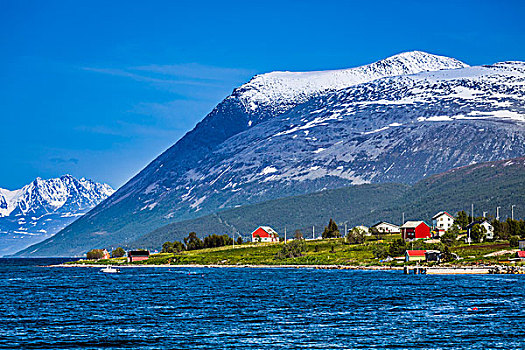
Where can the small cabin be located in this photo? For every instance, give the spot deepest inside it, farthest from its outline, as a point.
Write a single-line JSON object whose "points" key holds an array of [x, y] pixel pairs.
{"points": [[138, 255], [415, 255]]}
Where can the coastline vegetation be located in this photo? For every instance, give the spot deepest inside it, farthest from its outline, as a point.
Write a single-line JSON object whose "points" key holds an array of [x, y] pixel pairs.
{"points": [[355, 249]]}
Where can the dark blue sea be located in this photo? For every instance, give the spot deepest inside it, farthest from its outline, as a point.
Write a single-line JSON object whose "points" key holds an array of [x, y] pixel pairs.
{"points": [[230, 308]]}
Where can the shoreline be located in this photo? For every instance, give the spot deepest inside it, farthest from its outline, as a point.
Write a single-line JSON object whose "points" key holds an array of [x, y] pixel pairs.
{"points": [[318, 267], [438, 270]]}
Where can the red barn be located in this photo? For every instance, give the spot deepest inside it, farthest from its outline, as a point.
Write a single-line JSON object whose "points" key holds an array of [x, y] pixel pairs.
{"points": [[415, 230], [265, 234], [138, 255]]}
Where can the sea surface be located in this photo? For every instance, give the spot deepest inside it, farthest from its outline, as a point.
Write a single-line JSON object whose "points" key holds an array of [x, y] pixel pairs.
{"points": [[272, 308]]}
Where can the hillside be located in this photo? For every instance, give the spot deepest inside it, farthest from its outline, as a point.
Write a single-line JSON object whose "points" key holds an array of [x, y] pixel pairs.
{"points": [[487, 185]]}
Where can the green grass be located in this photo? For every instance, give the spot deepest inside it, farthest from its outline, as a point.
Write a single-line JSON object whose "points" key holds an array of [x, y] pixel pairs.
{"points": [[318, 252]]}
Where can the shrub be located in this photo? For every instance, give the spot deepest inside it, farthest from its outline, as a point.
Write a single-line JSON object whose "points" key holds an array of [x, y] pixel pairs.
{"points": [[95, 254], [118, 253], [380, 251], [397, 247], [514, 241], [293, 249]]}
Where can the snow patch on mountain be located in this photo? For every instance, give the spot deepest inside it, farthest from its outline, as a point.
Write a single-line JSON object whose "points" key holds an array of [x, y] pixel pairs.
{"points": [[43, 207], [281, 90]]}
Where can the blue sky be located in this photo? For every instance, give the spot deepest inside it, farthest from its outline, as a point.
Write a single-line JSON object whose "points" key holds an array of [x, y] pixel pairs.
{"points": [[100, 88]]}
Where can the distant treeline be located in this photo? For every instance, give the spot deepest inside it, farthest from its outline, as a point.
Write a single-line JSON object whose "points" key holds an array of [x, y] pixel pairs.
{"points": [[192, 242]]}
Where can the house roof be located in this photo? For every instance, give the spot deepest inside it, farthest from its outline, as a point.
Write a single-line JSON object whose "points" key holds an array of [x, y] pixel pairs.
{"points": [[138, 253], [440, 214], [416, 252], [384, 222], [412, 224], [478, 222], [267, 229], [521, 254]]}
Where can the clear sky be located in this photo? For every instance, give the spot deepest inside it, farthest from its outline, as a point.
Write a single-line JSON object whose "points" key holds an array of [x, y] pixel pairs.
{"points": [[100, 88]]}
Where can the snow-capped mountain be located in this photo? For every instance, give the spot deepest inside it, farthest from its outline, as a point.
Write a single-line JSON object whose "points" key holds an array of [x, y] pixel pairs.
{"points": [[396, 120], [279, 91], [43, 207]]}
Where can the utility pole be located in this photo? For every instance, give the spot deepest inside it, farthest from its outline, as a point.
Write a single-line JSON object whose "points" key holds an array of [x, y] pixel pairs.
{"points": [[497, 213], [313, 232], [346, 229], [472, 212], [285, 235], [512, 211], [403, 220]]}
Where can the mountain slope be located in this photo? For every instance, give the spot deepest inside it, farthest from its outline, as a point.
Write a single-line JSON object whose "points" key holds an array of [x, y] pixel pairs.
{"points": [[486, 185], [44, 207], [284, 134]]}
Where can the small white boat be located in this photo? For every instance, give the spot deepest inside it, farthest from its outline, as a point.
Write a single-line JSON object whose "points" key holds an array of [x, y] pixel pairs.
{"points": [[110, 269]]}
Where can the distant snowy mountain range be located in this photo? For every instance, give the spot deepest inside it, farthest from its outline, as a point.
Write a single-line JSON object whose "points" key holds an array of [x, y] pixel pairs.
{"points": [[43, 207], [288, 133]]}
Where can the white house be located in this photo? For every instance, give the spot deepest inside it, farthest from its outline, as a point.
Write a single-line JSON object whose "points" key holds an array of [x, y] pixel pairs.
{"points": [[385, 227], [442, 221], [489, 229]]}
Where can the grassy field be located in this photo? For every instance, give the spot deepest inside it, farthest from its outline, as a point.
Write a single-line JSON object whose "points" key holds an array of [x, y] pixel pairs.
{"points": [[318, 252]]}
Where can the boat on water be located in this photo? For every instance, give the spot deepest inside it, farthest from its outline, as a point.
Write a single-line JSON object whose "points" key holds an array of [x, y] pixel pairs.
{"points": [[110, 269]]}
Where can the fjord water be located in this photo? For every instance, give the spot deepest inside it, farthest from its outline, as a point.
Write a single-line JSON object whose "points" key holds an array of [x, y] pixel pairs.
{"points": [[271, 308]]}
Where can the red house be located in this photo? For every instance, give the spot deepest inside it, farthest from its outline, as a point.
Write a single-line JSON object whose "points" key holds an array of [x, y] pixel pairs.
{"points": [[265, 234], [138, 255], [415, 230]]}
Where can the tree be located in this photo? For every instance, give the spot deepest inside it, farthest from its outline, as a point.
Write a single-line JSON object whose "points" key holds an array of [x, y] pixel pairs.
{"points": [[239, 240], [331, 231], [172, 247], [514, 241], [450, 237], [356, 236], [298, 234], [95, 254], [258, 238], [293, 249], [193, 242], [461, 219], [118, 253], [397, 247], [501, 230], [477, 233], [447, 255], [213, 241]]}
